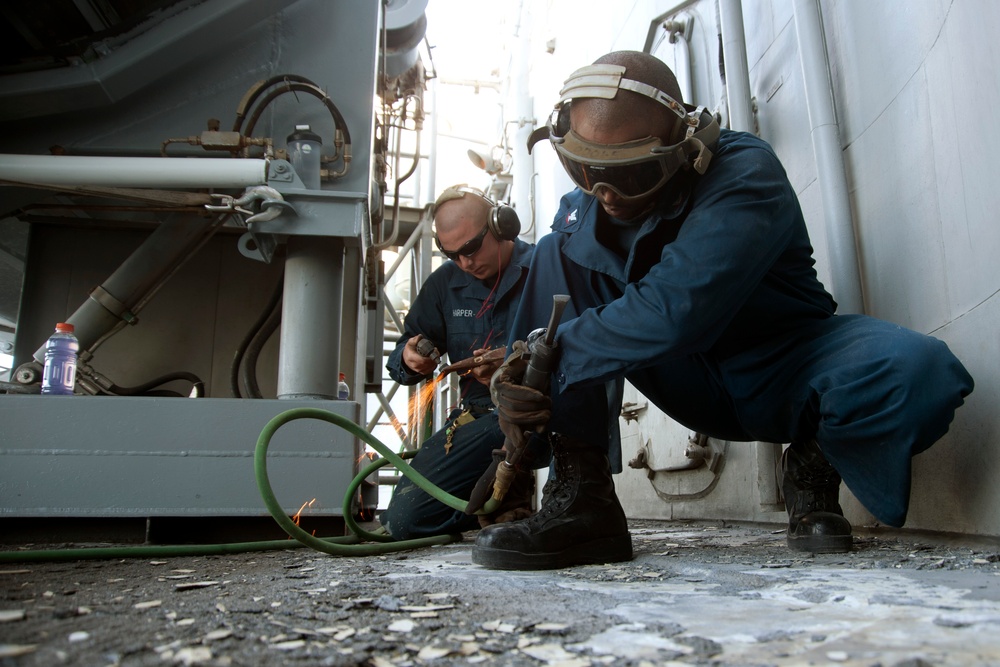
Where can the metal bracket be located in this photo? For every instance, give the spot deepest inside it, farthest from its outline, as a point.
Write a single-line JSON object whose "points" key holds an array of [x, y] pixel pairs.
{"points": [[270, 204], [260, 247], [113, 305], [700, 453], [630, 411]]}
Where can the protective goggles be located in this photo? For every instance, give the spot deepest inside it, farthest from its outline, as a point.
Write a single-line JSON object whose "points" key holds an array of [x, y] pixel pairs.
{"points": [[631, 170], [634, 169], [468, 249]]}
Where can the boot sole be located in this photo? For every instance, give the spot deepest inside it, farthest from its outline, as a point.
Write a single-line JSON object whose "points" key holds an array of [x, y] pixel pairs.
{"points": [[821, 544], [604, 550]]}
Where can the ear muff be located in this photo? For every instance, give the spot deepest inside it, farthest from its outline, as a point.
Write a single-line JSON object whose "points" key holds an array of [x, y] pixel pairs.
{"points": [[502, 221]]}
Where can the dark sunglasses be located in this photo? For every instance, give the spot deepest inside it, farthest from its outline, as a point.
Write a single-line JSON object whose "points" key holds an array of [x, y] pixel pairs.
{"points": [[468, 249]]}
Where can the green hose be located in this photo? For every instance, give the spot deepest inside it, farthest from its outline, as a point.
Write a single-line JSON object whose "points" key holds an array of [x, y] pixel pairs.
{"points": [[349, 545]]}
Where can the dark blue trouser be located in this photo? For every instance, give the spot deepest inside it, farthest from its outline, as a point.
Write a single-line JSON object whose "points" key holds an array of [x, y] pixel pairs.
{"points": [[412, 512], [872, 394]]}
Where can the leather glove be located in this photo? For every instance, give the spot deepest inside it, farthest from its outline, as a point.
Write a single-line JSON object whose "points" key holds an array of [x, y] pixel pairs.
{"points": [[516, 504], [520, 409]]}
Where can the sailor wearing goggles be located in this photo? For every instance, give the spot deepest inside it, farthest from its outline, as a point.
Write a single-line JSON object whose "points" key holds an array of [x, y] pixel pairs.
{"points": [[691, 275], [624, 170]]}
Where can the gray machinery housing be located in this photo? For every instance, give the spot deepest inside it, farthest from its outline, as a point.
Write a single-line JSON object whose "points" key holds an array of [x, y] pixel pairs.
{"points": [[197, 186]]}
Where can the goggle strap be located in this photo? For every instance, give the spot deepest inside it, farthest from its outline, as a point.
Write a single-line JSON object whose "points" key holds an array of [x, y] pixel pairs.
{"points": [[604, 81], [708, 136], [693, 120], [704, 157], [592, 81], [656, 94], [540, 133]]}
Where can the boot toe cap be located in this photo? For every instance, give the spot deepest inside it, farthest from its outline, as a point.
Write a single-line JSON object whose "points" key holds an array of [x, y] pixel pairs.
{"points": [[505, 536], [820, 532]]}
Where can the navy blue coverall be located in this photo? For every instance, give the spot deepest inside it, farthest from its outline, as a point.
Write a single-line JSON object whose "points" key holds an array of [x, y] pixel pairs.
{"points": [[717, 316], [450, 311]]}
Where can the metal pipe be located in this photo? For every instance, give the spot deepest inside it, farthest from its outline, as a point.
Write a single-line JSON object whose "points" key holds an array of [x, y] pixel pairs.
{"points": [[309, 354], [121, 296], [656, 24], [418, 232], [682, 59], [392, 418], [132, 172], [401, 178], [522, 106], [734, 56], [373, 422], [841, 239]]}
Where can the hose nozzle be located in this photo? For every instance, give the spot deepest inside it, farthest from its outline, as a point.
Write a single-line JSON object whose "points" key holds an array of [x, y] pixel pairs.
{"points": [[427, 348]]}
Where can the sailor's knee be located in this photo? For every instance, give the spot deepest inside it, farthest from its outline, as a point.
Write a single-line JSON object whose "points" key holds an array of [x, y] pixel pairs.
{"points": [[924, 373]]}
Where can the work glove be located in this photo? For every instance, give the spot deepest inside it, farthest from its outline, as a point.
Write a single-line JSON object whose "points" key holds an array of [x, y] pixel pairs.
{"points": [[520, 409], [516, 504]]}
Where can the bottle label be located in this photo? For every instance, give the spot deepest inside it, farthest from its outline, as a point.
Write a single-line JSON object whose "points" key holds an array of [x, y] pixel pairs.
{"points": [[69, 375], [59, 376]]}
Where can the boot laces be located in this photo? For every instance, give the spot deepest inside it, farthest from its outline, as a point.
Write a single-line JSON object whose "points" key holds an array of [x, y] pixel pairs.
{"points": [[816, 486], [816, 475], [817, 489], [558, 490]]}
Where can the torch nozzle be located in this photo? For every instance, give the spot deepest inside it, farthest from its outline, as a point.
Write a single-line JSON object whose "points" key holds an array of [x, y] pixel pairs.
{"points": [[496, 354], [426, 348]]}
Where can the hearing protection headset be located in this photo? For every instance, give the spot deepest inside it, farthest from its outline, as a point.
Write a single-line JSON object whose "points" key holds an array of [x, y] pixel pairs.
{"points": [[502, 220]]}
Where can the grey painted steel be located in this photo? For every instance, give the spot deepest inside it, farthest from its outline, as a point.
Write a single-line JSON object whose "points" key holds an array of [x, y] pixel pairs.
{"points": [[85, 456], [734, 51], [309, 360], [138, 63], [656, 24], [319, 213], [840, 236], [169, 246]]}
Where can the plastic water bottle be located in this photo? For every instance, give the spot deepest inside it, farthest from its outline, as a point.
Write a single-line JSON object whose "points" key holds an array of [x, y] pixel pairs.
{"points": [[59, 376], [343, 391]]}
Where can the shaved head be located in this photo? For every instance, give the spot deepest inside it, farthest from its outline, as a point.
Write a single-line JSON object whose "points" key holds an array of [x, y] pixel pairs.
{"points": [[467, 209], [462, 215], [658, 119]]}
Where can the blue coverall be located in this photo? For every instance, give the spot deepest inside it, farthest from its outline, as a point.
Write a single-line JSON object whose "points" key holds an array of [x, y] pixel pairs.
{"points": [[717, 316], [450, 311]]}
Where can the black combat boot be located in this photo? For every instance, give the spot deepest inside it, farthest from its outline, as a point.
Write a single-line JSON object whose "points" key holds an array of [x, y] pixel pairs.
{"points": [[580, 520], [812, 488]]}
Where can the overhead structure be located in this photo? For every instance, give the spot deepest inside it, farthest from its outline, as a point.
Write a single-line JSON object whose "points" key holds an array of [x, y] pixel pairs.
{"points": [[200, 186]]}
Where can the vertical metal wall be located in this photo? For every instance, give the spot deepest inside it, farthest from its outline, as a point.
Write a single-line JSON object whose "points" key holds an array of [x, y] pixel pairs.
{"points": [[915, 93]]}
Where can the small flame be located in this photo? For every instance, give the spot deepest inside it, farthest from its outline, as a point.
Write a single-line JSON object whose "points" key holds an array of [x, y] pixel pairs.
{"points": [[298, 515]]}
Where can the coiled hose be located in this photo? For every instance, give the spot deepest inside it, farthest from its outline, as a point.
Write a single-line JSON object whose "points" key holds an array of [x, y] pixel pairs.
{"points": [[349, 545]]}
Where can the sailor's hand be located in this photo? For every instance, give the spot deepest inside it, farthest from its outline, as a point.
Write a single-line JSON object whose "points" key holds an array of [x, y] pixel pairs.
{"points": [[491, 361], [521, 410], [415, 361], [517, 501]]}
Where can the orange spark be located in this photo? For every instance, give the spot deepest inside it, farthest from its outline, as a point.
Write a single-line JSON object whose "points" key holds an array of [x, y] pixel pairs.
{"points": [[298, 515], [421, 401]]}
